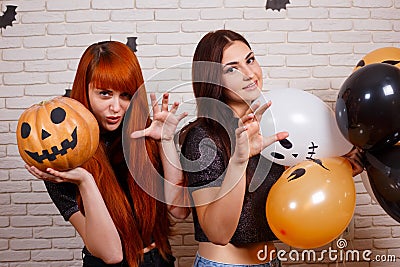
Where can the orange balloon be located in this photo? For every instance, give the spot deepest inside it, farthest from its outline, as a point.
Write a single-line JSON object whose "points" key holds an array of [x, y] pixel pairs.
{"points": [[389, 55], [312, 203]]}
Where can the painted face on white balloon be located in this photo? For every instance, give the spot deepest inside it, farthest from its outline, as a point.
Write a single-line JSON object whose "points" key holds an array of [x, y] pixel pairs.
{"points": [[285, 150], [311, 124]]}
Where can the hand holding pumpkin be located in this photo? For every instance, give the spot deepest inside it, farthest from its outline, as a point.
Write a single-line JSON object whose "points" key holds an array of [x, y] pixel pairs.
{"points": [[164, 122], [75, 176]]}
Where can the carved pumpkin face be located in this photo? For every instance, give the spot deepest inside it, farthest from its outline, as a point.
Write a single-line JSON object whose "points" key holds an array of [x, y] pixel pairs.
{"points": [[388, 55], [60, 133], [312, 202]]}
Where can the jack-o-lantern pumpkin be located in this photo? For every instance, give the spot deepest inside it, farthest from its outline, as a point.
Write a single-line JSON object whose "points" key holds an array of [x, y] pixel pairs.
{"points": [[312, 202], [60, 133], [388, 55]]}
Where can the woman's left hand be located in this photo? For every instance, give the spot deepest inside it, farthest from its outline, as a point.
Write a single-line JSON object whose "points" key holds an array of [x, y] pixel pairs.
{"points": [[249, 141], [355, 159], [164, 122]]}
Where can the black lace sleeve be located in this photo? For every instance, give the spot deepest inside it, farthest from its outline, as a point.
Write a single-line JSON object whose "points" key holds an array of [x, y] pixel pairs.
{"points": [[203, 161], [64, 197]]}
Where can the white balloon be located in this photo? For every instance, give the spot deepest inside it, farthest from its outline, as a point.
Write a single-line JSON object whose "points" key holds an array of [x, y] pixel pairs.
{"points": [[310, 122]]}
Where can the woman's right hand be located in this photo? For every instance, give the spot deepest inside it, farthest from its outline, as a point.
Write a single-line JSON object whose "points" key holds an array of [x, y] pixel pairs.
{"points": [[76, 175], [164, 121], [249, 141]]}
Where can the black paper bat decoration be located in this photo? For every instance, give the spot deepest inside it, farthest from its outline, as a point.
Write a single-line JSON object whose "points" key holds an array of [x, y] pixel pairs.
{"points": [[8, 16], [132, 43], [276, 4], [67, 92]]}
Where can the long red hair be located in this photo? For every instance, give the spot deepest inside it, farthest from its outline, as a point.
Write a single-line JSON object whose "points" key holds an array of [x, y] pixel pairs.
{"points": [[138, 217]]}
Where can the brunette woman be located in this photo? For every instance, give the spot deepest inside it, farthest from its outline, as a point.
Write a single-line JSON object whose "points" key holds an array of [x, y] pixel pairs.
{"points": [[222, 150]]}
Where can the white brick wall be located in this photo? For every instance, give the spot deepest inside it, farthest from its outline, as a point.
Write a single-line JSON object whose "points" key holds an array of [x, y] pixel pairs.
{"points": [[312, 45]]}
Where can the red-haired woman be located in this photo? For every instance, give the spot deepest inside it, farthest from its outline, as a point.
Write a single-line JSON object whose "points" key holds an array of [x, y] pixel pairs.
{"points": [[118, 200]]}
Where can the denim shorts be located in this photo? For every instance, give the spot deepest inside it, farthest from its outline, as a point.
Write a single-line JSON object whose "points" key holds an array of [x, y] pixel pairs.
{"points": [[203, 262]]}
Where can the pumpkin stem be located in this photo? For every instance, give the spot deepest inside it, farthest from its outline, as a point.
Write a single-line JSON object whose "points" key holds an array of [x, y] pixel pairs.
{"points": [[41, 103]]}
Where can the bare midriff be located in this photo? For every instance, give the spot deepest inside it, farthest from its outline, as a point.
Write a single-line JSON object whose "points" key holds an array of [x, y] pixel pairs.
{"points": [[254, 253]]}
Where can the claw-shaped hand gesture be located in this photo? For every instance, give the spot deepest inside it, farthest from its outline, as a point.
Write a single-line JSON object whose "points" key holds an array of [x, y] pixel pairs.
{"points": [[249, 141], [164, 122]]}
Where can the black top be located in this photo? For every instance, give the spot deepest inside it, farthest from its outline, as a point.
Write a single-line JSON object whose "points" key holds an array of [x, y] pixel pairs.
{"points": [[205, 167], [64, 194], [64, 197]]}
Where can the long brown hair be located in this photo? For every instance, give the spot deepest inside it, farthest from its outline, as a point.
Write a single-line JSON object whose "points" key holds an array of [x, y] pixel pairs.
{"points": [[138, 216], [215, 115]]}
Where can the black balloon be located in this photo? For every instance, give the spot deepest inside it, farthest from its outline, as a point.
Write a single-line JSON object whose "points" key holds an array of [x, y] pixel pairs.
{"points": [[383, 169], [368, 107]]}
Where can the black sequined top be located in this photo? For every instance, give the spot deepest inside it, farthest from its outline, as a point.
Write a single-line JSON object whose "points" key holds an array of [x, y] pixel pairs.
{"points": [[205, 167], [64, 195]]}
